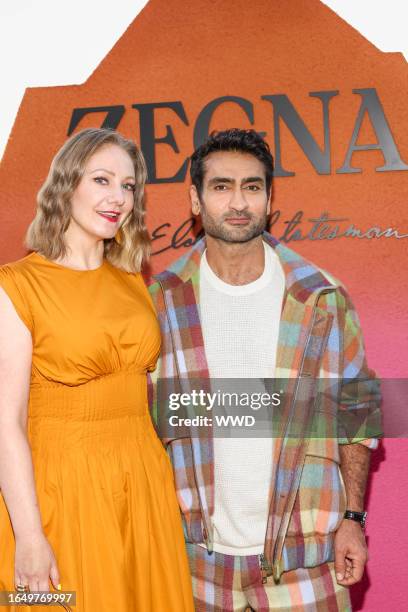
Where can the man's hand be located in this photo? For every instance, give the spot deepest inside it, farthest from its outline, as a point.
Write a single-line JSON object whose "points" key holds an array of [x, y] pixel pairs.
{"points": [[350, 551]]}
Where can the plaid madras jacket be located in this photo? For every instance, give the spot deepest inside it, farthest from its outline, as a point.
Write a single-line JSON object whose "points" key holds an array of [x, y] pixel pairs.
{"points": [[319, 342]]}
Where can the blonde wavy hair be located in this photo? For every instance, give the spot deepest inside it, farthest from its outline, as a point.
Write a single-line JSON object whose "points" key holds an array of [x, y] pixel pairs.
{"points": [[131, 246]]}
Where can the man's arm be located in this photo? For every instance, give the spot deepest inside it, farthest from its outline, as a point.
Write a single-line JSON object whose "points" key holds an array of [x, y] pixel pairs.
{"points": [[360, 405], [354, 465], [350, 545]]}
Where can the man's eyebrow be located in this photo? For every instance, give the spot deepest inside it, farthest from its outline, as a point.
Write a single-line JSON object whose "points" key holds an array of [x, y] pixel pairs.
{"points": [[111, 173], [252, 179], [226, 179]]}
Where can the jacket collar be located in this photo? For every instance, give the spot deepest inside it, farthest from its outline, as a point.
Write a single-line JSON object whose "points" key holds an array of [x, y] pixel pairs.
{"points": [[302, 278]]}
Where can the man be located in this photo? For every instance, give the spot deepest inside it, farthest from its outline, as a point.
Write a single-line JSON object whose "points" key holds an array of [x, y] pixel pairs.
{"points": [[264, 517]]}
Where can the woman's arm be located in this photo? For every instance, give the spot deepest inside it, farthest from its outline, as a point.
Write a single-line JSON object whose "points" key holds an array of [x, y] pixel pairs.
{"points": [[34, 562]]}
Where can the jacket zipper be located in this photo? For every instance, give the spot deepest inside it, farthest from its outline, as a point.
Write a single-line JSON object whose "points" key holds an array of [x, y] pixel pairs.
{"points": [[264, 567], [206, 532], [275, 561]]}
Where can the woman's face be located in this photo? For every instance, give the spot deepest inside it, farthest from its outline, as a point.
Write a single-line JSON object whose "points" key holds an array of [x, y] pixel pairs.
{"points": [[104, 197]]}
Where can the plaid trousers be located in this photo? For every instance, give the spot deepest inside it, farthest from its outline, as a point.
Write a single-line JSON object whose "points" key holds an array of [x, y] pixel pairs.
{"points": [[226, 583]]}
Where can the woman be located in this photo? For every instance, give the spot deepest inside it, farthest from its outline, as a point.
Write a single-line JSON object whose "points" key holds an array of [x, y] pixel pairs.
{"points": [[87, 501]]}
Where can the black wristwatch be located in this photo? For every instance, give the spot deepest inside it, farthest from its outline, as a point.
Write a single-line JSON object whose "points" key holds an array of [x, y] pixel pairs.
{"points": [[359, 517]]}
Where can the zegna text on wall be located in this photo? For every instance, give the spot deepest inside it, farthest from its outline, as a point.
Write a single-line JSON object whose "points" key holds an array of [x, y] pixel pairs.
{"points": [[283, 111]]}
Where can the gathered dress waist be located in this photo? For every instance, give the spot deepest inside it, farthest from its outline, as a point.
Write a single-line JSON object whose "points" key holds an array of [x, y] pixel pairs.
{"points": [[104, 411]]}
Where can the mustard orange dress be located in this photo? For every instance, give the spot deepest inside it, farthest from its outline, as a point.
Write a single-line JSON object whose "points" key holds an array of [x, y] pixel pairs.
{"points": [[103, 479]]}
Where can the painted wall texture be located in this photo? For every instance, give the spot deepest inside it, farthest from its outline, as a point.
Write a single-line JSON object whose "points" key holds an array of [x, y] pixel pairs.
{"points": [[334, 112]]}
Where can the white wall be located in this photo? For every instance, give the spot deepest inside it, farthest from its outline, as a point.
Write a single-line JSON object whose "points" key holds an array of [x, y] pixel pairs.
{"points": [[44, 42]]}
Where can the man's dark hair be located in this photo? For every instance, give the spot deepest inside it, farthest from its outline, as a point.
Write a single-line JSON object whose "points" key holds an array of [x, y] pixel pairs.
{"points": [[243, 141]]}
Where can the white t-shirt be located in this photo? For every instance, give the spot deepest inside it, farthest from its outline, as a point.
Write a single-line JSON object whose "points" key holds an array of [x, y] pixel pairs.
{"points": [[240, 326]]}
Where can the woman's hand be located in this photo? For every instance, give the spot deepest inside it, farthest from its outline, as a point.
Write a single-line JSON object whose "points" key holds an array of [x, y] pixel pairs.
{"points": [[35, 563]]}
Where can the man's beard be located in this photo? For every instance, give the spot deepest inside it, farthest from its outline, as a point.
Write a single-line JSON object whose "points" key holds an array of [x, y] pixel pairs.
{"points": [[231, 234]]}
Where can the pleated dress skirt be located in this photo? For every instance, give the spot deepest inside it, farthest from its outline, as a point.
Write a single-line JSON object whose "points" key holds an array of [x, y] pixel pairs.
{"points": [[107, 500]]}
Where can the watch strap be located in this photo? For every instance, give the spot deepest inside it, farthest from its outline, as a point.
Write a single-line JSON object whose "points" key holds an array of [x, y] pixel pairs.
{"points": [[359, 517]]}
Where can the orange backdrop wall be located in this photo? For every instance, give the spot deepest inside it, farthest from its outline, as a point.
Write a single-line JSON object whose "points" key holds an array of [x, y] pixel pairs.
{"points": [[334, 111]]}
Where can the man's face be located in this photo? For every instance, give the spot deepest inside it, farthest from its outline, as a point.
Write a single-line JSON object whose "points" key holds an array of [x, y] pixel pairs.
{"points": [[233, 204]]}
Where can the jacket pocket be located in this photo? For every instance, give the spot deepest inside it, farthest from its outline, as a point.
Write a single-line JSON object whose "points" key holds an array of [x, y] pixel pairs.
{"points": [[320, 501]]}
